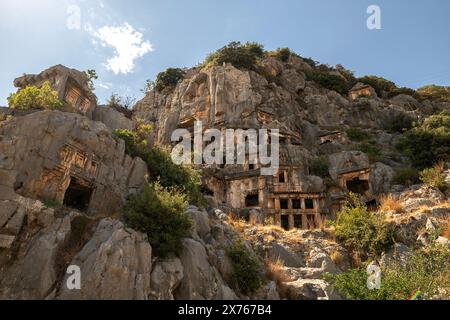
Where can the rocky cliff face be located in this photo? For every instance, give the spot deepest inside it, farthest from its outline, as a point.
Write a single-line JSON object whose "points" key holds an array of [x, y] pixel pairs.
{"points": [[52, 156]]}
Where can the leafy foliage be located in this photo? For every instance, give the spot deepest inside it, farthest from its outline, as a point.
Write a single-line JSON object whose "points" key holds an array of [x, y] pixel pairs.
{"points": [[427, 271], [35, 98], [168, 78], [372, 149], [434, 93], [320, 167], [434, 177], [361, 230], [246, 269], [241, 56], [379, 84], [405, 176], [136, 144], [121, 104], [357, 135], [159, 160], [172, 175], [329, 81], [428, 142], [161, 214], [403, 90], [399, 123], [91, 75]]}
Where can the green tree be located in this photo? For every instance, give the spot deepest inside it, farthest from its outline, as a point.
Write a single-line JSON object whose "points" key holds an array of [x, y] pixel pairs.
{"points": [[35, 98], [379, 84], [363, 231], [169, 78], [161, 214], [428, 142], [435, 93], [241, 56], [91, 75], [247, 275]]}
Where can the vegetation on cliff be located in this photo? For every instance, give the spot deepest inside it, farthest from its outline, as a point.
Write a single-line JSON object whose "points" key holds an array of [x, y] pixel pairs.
{"points": [[33, 97]]}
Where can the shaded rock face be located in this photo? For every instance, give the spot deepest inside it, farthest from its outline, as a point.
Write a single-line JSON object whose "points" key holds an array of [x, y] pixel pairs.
{"points": [[115, 264], [53, 155]]}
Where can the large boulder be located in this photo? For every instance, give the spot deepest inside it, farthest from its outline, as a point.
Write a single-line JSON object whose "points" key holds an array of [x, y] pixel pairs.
{"points": [[115, 264]]}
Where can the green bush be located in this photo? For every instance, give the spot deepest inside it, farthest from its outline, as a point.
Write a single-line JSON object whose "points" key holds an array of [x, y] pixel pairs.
{"points": [[241, 56], [360, 230], [434, 177], [399, 123], [428, 142], [403, 90], [35, 98], [161, 214], [426, 272], [168, 78], [328, 81], [357, 135], [284, 54], [136, 144], [246, 269], [434, 93], [379, 84], [372, 149], [320, 167], [173, 175], [405, 176]]}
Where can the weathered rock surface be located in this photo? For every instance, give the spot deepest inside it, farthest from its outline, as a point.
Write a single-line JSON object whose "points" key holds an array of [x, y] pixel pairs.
{"points": [[41, 154]]}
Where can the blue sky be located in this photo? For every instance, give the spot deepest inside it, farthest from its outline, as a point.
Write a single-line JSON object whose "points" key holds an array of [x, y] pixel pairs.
{"points": [[130, 41]]}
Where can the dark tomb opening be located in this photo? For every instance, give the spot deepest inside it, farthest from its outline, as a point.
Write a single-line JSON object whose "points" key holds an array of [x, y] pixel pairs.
{"points": [[284, 204], [296, 204], [252, 200], [285, 222], [309, 203], [77, 196], [298, 221], [358, 186]]}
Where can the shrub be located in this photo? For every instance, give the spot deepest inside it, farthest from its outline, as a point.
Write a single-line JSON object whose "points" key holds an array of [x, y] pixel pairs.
{"points": [[170, 174], [403, 90], [91, 75], [372, 149], [320, 167], [428, 142], [361, 230], [399, 123], [123, 105], [379, 84], [35, 98], [241, 56], [136, 144], [434, 177], [328, 81], [284, 54], [405, 176], [51, 203], [434, 93], [357, 135], [161, 214], [427, 271], [246, 270], [168, 78]]}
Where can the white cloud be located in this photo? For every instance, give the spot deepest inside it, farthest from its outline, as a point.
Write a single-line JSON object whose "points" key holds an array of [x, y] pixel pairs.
{"points": [[128, 45]]}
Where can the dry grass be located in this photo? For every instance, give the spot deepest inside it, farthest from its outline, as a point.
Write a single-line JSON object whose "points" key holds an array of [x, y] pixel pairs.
{"points": [[440, 165], [276, 271], [390, 204], [337, 257], [447, 231]]}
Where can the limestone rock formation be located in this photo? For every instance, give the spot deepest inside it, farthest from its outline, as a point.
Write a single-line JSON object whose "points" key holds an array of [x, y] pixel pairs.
{"points": [[66, 157]]}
